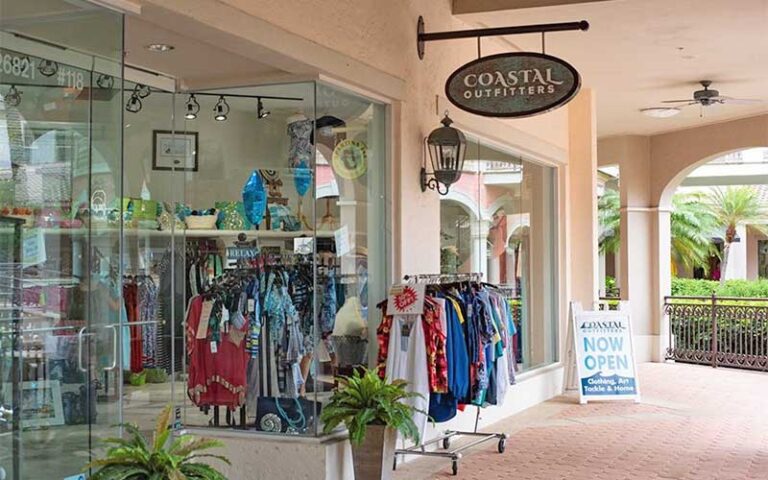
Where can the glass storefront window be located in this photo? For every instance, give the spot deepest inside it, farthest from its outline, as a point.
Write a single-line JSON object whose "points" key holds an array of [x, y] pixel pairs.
{"points": [[302, 276], [60, 234], [500, 220]]}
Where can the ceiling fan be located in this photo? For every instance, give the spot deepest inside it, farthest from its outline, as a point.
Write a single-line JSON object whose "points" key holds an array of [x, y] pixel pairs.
{"points": [[707, 98]]}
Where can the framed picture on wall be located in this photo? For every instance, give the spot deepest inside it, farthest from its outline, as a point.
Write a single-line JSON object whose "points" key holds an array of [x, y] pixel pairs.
{"points": [[174, 150]]}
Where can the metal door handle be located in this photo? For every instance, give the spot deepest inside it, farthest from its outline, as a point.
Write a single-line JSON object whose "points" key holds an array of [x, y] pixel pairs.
{"points": [[80, 349], [114, 347]]}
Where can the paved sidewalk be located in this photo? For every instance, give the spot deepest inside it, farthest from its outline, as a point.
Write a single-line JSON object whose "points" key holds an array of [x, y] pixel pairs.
{"points": [[694, 423]]}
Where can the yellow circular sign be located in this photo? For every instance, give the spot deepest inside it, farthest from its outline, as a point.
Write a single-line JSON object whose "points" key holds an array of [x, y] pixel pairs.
{"points": [[350, 159]]}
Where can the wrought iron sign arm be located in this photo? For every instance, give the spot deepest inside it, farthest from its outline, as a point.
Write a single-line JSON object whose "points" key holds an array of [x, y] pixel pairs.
{"points": [[423, 37]]}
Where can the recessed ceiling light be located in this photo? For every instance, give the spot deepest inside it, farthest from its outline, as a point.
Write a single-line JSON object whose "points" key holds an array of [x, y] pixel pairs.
{"points": [[159, 47], [661, 112]]}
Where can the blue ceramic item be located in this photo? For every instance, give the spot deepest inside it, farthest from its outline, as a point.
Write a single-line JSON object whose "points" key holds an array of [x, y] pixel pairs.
{"points": [[254, 198]]}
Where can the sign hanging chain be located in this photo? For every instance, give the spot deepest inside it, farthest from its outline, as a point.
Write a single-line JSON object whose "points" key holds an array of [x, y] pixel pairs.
{"points": [[543, 43]]}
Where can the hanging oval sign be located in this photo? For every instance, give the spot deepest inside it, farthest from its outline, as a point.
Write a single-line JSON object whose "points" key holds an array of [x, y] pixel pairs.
{"points": [[519, 84]]}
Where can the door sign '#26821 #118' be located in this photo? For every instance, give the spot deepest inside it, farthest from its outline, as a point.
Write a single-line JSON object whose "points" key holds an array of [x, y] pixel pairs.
{"points": [[519, 84]]}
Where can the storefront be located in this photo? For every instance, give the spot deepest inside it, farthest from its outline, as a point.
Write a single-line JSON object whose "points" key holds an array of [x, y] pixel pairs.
{"points": [[150, 199]]}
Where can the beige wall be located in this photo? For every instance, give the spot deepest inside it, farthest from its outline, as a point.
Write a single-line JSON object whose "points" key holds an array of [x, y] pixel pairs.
{"points": [[676, 154]]}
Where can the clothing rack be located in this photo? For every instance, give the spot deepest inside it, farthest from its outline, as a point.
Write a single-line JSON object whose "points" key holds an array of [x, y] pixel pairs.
{"points": [[448, 435]]}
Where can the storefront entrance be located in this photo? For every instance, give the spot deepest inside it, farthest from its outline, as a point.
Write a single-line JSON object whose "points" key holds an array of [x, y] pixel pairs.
{"points": [[122, 202], [60, 143]]}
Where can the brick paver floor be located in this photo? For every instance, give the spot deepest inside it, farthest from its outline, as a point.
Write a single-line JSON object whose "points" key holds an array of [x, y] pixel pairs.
{"points": [[694, 423]]}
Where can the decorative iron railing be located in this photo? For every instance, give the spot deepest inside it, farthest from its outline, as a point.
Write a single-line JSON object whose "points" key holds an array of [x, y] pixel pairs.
{"points": [[718, 331]]}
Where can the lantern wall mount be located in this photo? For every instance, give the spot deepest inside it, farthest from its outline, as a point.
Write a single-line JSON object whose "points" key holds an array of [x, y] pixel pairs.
{"points": [[446, 147], [422, 37]]}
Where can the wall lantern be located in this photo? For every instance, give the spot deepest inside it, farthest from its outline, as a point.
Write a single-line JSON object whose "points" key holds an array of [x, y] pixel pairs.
{"points": [[447, 147]]}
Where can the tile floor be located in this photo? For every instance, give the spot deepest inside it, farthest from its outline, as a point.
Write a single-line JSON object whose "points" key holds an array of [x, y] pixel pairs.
{"points": [[694, 423]]}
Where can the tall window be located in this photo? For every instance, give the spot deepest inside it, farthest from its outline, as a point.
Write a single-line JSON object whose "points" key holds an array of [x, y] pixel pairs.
{"points": [[499, 220]]}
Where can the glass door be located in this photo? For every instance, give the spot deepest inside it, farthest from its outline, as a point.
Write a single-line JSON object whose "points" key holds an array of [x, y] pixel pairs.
{"points": [[60, 235]]}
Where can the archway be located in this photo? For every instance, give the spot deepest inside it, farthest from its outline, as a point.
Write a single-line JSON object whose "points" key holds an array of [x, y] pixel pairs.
{"points": [[457, 248]]}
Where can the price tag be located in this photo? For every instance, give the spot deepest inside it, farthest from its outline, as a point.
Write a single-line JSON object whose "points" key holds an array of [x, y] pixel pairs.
{"points": [[205, 316], [225, 314], [251, 305], [406, 334], [214, 347], [344, 244]]}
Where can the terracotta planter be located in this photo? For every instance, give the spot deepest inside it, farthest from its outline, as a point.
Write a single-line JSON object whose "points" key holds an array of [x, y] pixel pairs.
{"points": [[373, 458]]}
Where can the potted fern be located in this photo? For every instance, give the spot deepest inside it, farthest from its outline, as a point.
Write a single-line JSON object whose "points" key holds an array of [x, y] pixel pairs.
{"points": [[136, 458], [373, 410]]}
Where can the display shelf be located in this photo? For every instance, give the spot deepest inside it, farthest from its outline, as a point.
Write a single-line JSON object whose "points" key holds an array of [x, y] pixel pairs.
{"points": [[192, 233]]}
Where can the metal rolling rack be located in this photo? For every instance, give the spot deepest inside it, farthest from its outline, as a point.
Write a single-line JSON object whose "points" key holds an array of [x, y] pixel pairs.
{"points": [[445, 439]]}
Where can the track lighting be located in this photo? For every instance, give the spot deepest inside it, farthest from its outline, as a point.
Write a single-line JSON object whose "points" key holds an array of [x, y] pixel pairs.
{"points": [[105, 81], [261, 112], [48, 68], [221, 109], [13, 97], [142, 91], [193, 108], [134, 103]]}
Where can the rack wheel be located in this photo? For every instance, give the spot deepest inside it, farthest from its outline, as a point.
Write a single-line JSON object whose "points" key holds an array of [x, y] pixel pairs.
{"points": [[502, 445], [455, 467], [446, 443]]}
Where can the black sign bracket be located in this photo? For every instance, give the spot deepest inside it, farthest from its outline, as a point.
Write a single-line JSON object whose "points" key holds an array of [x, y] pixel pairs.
{"points": [[422, 37]]}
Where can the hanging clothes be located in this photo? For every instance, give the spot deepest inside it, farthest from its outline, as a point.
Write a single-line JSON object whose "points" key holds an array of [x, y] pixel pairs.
{"points": [[218, 359], [130, 296], [407, 360], [466, 348]]}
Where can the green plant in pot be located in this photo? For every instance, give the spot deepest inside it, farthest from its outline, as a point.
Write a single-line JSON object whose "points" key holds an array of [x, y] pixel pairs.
{"points": [[164, 458], [374, 411]]}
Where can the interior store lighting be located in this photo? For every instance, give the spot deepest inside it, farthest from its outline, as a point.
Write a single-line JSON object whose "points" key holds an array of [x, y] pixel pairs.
{"points": [[261, 112], [134, 103], [221, 109], [13, 97], [193, 108]]}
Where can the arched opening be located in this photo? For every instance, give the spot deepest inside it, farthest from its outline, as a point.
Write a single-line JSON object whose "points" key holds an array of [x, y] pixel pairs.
{"points": [[456, 246], [716, 219]]}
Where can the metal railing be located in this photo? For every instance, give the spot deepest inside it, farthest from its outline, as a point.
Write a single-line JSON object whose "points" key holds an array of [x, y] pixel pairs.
{"points": [[718, 331]]}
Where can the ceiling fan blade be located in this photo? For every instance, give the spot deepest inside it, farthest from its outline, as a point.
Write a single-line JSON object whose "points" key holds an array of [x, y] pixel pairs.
{"points": [[741, 101], [677, 101]]}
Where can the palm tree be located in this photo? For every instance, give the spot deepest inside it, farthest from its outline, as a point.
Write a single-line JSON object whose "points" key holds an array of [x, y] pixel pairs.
{"points": [[692, 226], [731, 207], [609, 218]]}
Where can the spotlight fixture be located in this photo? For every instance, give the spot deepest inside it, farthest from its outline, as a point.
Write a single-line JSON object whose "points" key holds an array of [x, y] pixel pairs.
{"points": [[159, 47], [105, 81], [261, 112], [48, 68], [141, 90], [193, 108], [13, 97], [134, 103], [221, 109]]}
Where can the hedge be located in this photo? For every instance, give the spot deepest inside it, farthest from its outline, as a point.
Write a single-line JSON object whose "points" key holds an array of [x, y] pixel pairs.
{"points": [[686, 287]]}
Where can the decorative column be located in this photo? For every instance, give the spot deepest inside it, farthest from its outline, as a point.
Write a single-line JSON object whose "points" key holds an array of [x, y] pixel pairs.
{"points": [[582, 202], [479, 235]]}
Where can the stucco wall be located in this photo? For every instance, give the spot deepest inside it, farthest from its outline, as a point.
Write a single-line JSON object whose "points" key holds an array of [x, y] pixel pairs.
{"points": [[676, 154]]}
